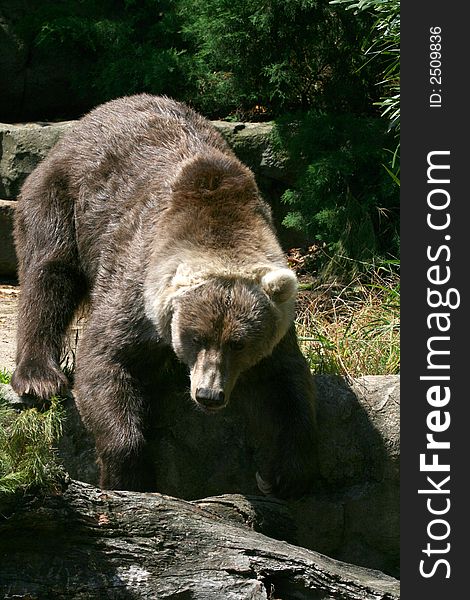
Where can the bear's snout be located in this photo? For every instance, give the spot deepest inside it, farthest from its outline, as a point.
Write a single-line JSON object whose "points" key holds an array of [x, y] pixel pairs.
{"points": [[210, 399], [211, 379]]}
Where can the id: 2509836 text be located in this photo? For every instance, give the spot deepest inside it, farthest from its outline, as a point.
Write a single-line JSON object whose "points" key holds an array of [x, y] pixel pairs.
{"points": [[435, 67]]}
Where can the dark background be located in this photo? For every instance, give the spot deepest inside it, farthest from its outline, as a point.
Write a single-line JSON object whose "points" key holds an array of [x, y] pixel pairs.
{"points": [[423, 130]]}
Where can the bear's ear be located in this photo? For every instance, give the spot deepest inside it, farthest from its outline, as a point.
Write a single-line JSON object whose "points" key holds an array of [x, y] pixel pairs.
{"points": [[280, 285]]}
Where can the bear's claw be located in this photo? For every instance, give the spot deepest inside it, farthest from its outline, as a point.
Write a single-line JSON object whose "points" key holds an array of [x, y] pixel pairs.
{"points": [[263, 486], [39, 380]]}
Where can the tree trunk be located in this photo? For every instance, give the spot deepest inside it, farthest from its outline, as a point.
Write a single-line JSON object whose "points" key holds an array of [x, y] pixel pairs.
{"points": [[85, 543]]}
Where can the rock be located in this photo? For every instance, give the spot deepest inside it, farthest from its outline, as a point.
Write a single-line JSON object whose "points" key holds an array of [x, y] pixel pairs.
{"points": [[355, 514], [22, 146], [7, 249], [352, 514], [253, 145], [21, 149]]}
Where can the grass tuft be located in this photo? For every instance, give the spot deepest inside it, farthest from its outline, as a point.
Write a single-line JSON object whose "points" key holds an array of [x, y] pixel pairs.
{"points": [[27, 447], [353, 330], [5, 376]]}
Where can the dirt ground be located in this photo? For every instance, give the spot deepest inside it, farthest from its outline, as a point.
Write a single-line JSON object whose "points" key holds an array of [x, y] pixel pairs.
{"points": [[8, 315]]}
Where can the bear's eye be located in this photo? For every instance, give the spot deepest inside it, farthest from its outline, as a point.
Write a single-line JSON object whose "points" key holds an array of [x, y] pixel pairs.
{"points": [[236, 345], [199, 340]]}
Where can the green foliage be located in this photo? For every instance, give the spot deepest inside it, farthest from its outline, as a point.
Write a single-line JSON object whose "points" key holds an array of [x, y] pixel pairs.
{"points": [[27, 454], [384, 44], [383, 47], [224, 57], [343, 199], [268, 57], [5, 376], [115, 47]]}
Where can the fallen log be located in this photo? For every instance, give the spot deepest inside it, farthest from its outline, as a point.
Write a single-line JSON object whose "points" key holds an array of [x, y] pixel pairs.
{"points": [[352, 514], [84, 543]]}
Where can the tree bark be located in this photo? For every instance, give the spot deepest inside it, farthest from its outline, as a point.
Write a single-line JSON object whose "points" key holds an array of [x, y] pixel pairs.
{"points": [[84, 543]]}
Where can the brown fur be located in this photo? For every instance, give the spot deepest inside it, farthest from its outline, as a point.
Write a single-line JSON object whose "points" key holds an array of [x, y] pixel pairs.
{"points": [[145, 212]]}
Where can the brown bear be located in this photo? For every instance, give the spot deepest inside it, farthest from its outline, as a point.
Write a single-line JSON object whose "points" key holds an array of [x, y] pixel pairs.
{"points": [[145, 213]]}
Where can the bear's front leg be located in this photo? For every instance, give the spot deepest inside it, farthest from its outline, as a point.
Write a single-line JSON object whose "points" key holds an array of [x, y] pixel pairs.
{"points": [[50, 293], [114, 407], [51, 278], [280, 400]]}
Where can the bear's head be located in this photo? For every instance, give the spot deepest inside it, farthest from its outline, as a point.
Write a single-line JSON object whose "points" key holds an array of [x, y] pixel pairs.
{"points": [[225, 324]]}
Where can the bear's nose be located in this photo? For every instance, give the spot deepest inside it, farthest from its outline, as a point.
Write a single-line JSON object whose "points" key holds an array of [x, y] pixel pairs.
{"points": [[209, 398]]}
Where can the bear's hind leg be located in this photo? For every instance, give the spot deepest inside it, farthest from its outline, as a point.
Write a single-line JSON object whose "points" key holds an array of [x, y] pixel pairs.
{"points": [[112, 399], [114, 410], [125, 468]]}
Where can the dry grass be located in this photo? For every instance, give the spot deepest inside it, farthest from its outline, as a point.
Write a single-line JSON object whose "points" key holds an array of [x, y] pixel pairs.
{"points": [[352, 330]]}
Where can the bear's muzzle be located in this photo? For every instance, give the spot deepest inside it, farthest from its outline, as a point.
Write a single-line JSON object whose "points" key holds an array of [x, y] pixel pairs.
{"points": [[210, 399]]}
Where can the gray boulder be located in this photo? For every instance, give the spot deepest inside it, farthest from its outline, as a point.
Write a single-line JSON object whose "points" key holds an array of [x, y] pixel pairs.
{"points": [[7, 250], [253, 145], [22, 147]]}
